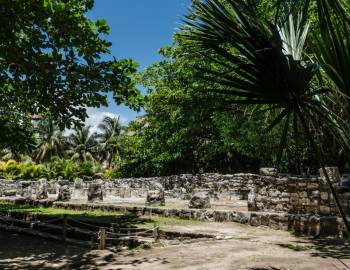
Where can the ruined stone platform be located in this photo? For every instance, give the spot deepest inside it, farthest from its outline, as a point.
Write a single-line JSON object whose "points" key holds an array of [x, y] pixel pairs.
{"points": [[312, 225]]}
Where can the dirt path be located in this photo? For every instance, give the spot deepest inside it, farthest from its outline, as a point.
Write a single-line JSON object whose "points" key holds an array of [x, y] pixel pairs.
{"points": [[248, 248]]}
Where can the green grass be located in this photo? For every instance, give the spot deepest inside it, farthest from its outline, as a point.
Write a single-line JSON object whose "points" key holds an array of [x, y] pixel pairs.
{"points": [[99, 216], [167, 222]]}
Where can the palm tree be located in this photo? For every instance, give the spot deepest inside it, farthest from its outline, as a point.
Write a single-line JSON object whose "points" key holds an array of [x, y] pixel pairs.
{"points": [[83, 144], [255, 63], [51, 141], [111, 129]]}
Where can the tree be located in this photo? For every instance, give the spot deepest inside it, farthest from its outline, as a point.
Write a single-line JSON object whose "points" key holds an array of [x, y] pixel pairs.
{"points": [[83, 144], [111, 129], [256, 69], [51, 141], [50, 65], [178, 134]]}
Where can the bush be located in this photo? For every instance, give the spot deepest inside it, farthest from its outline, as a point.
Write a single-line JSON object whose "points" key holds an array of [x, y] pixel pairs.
{"points": [[108, 173], [87, 169], [70, 170], [25, 171], [51, 170]]}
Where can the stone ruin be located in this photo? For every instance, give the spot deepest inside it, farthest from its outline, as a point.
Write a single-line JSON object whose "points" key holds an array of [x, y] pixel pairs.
{"points": [[95, 193], [64, 193], [156, 197], [281, 201], [199, 201]]}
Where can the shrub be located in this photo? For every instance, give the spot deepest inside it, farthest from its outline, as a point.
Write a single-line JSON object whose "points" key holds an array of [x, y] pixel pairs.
{"points": [[15, 170], [51, 170]]}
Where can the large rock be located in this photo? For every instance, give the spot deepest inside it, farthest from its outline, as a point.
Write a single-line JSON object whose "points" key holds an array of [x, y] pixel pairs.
{"points": [[78, 183], [200, 201], [79, 190], [95, 191], [52, 187], [63, 191], [124, 191], [252, 200], [268, 171], [9, 192], [26, 189], [155, 198], [42, 192]]}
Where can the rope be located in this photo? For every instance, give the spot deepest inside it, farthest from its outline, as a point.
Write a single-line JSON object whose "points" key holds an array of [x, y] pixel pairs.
{"points": [[133, 234], [87, 224]]}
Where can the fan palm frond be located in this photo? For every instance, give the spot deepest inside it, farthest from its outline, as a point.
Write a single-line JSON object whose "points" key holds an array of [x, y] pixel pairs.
{"points": [[256, 64]]}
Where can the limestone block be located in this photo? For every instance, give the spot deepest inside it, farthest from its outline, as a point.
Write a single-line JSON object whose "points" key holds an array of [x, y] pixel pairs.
{"points": [[95, 191], [303, 194], [124, 191], [252, 201], [26, 189], [324, 196], [63, 193], [301, 184], [78, 183], [313, 186], [200, 201], [9, 192], [268, 171], [325, 210], [42, 192], [155, 198], [255, 220]]}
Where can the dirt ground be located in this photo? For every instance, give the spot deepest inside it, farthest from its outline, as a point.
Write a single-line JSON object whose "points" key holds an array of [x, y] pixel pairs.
{"points": [[236, 247]]}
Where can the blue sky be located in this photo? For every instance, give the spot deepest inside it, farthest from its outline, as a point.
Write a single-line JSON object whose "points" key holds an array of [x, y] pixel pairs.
{"points": [[138, 29]]}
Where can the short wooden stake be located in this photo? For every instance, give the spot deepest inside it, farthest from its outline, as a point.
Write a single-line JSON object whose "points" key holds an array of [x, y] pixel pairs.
{"points": [[102, 235]]}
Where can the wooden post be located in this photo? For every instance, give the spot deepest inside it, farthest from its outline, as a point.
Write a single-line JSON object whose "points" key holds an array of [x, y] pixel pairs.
{"points": [[102, 236], [156, 232], [64, 228]]}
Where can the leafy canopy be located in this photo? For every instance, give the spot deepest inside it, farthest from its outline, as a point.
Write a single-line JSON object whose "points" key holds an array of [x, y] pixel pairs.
{"points": [[50, 64]]}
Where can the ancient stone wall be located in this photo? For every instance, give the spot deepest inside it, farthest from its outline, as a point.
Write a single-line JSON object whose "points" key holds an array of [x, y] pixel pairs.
{"points": [[297, 195], [265, 193]]}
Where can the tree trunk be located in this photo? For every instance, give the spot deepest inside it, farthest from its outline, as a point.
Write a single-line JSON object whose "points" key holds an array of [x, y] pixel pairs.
{"points": [[335, 196]]}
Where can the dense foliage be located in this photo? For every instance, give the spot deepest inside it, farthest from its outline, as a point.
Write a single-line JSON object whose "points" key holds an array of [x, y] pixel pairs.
{"points": [[224, 99], [50, 170], [50, 66]]}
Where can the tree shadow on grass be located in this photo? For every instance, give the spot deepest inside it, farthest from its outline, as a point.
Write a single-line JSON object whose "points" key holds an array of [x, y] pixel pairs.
{"points": [[87, 219]]}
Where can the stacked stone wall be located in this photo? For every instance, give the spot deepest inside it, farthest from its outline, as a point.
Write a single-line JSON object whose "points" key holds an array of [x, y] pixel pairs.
{"points": [[298, 196]]}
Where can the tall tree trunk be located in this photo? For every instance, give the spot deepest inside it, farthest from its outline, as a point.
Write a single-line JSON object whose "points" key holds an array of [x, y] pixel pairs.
{"points": [[335, 196]]}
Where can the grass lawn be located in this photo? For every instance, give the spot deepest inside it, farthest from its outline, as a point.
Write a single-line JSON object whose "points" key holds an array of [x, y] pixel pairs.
{"points": [[98, 217]]}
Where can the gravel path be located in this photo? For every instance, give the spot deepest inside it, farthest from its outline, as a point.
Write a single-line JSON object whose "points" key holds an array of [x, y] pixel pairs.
{"points": [[244, 247]]}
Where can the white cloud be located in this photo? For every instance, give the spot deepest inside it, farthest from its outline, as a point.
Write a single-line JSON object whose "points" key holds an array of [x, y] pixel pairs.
{"points": [[95, 117]]}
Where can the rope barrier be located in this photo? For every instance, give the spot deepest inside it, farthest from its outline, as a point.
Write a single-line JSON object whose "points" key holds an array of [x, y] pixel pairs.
{"points": [[86, 224], [133, 234], [102, 235]]}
